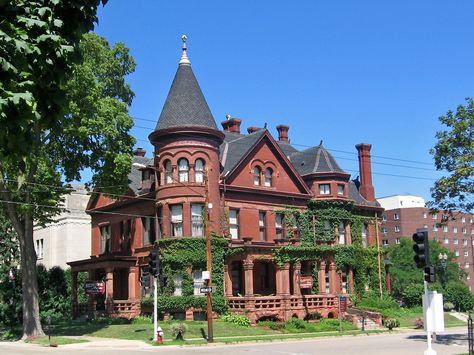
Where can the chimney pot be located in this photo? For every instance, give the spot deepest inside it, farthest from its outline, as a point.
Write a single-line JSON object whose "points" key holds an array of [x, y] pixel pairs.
{"points": [[283, 132], [231, 124], [253, 129], [139, 152]]}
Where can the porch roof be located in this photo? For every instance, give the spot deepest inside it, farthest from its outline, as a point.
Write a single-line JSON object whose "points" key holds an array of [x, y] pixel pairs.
{"points": [[105, 261]]}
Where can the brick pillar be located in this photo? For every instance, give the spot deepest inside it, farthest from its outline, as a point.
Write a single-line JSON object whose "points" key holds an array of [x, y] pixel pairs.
{"points": [[332, 278], [132, 282], [351, 280], [283, 280], [296, 276], [109, 290], [348, 234], [322, 277], [166, 222], [186, 219], [248, 276], [227, 281]]}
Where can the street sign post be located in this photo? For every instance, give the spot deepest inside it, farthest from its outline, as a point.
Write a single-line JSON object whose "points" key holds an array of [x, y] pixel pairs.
{"points": [[94, 287]]}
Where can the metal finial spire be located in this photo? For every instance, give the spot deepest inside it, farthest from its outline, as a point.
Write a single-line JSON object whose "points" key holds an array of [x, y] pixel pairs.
{"points": [[184, 56]]}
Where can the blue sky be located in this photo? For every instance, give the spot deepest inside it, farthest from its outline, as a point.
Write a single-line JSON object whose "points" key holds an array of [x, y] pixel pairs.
{"points": [[345, 72]]}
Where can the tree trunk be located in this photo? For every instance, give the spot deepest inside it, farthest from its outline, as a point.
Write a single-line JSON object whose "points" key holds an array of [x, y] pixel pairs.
{"points": [[31, 316]]}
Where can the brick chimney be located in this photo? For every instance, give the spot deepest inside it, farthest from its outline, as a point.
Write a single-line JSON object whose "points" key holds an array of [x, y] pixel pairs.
{"points": [[253, 129], [139, 152], [366, 188], [283, 132], [231, 124]]}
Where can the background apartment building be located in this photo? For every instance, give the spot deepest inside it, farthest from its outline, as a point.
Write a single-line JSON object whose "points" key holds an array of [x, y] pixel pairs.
{"points": [[404, 214]]}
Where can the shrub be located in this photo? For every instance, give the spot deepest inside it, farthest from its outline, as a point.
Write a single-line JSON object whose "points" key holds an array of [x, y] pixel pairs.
{"points": [[272, 325], [295, 323], [314, 316], [391, 323], [141, 320], [419, 324], [372, 302], [236, 319], [448, 306], [178, 330], [459, 295], [412, 294]]}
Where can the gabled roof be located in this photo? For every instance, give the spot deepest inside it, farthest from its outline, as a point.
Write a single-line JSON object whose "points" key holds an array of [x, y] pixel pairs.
{"points": [[315, 160], [185, 104]]}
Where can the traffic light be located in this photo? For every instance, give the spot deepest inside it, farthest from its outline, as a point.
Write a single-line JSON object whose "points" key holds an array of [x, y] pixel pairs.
{"points": [[421, 249], [430, 274], [154, 262]]}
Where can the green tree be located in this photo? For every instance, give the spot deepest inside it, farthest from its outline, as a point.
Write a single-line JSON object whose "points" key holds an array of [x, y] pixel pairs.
{"points": [[49, 132], [460, 296], [454, 153]]}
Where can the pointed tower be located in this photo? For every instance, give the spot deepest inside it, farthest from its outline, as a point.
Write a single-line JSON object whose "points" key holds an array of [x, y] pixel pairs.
{"points": [[186, 141]]}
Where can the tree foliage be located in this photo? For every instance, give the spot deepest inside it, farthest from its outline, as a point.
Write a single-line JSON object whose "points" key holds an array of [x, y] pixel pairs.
{"points": [[454, 153]]}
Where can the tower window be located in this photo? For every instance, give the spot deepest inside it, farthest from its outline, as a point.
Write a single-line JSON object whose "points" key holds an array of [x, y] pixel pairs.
{"points": [[183, 169], [199, 171], [168, 172]]}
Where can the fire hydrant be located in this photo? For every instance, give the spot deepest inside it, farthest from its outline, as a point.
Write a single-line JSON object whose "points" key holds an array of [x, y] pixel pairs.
{"points": [[159, 335]]}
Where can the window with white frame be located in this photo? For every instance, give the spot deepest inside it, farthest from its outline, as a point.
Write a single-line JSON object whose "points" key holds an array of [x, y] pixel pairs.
{"points": [[397, 229], [384, 230], [456, 241], [262, 224], [466, 265], [425, 226], [464, 230], [468, 277], [364, 235], [385, 242], [341, 231], [198, 282], [105, 246], [279, 226], [434, 216], [445, 229], [344, 280], [384, 218], [425, 215], [397, 240], [466, 253], [340, 189], [176, 220], [464, 242], [324, 189], [446, 240], [168, 172], [178, 285], [268, 177], [455, 229], [234, 223], [199, 171], [256, 176], [456, 252], [463, 219], [396, 216], [39, 248], [183, 170], [148, 230], [435, 228], [197, 225]]}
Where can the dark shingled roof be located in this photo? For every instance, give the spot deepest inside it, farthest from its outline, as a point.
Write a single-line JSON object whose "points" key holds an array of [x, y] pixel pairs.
{"points": [[315, 160], [355, 195], [135, 175], [235, 146], [287, 148], [185, 104]]}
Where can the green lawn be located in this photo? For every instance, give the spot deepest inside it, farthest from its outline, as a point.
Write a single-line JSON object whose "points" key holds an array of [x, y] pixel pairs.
{"points": [[55, 340], [407, 320]]}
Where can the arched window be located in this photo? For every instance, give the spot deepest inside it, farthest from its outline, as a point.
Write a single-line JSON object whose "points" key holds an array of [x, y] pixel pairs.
{"points": [[268, 177], [183, 169], [199, 171], [168, 172], [256, 176]]}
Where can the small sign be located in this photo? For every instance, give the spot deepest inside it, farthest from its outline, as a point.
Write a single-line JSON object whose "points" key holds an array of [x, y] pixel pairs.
{"points": [[306, 281], [343, 303], [95, 287], [208, 289]]}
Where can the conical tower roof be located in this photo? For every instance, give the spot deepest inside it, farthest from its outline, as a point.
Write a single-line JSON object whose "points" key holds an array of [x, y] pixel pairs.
{"points": [[185, 105], [315, 160]]}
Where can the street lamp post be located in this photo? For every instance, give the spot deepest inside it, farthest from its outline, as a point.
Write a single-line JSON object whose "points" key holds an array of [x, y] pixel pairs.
{"points": [[443, 258]]}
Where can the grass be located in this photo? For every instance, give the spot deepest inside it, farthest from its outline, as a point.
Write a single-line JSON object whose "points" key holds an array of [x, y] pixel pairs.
{"points": [[407, 320], [55, 340]]}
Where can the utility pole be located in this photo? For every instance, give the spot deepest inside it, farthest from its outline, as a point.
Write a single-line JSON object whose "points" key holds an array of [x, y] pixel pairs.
{"points": [[210, 332], [378, 254]]}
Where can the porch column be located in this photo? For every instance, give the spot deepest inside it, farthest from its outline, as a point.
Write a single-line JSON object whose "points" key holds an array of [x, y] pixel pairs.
{"points": [[227, 281], [322, 277], [283, 280], [74, 293], [332, 278], [296, 278], [109, 290], [248, 276], [351, 280], [348, 234], [132, 282]]}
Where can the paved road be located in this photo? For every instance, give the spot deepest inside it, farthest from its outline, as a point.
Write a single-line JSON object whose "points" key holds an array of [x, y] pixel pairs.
{"points": [[452, 342]]}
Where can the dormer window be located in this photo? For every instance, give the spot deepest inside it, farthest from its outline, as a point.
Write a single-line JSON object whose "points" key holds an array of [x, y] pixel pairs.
{"points": [[256, 176], [268, 177], [183, 169], [324, 189], [199, 171], [168, 172]]}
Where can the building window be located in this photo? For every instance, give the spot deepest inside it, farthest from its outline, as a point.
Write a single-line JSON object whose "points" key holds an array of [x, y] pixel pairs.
{"points": [[464, 242], [268, 177], [397, 229], [125, 234], [344, 279], [256, 176], [364, 235], [183, 169], [197, 225], [425, 226], [385, 242], [445, 229], [466, 265], [199, 171], [341, 231], [384, 218], [340, 189], [397, 240], [198, 283], [468, 277], [178, 285], [396, 216], [466, 253], [455, 229], [434, 216], [176, 220], [39, 248], [384, 230], [105, 239], [464, 230], [149, 234], [234, 223], [446, 240], [279, 226], [425, 215], [456, 241], [168, 172], [463, 219], [456, 252], [324, 189], [262, 223], [435, 228]]}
